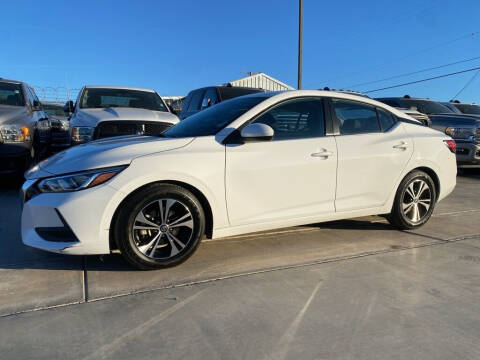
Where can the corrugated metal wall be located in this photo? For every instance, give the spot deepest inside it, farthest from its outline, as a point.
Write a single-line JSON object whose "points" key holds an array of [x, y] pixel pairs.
{"points": [[261, 81]]}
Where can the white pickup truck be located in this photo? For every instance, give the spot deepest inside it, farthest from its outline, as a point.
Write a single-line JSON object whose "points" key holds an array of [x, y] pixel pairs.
{"points": [[106, 111]]}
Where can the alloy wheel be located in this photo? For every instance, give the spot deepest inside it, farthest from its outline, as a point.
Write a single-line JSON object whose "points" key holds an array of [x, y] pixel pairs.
{"points": [[163, 228], [417, 200]]}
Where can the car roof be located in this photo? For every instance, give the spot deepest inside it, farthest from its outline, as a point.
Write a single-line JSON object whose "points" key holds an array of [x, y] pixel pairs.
{"points": [[11, 81], [404, 98], [116, 87]]}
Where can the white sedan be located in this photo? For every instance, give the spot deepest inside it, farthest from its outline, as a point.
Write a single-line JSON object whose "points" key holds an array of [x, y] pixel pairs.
{"points": [[253, 163]]}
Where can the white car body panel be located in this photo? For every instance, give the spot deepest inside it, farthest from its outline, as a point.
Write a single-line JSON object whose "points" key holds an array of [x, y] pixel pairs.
{"points": [[251, 187], [366, 177]]}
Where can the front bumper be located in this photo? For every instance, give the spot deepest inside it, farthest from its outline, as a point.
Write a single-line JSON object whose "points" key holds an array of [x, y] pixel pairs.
{"points": [[14, 158], [468, 153], [69, 223]]}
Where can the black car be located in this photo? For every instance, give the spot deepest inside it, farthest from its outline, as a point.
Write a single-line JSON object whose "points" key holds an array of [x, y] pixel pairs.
{"points": [[463, 128], [59, 127], [203, 98]]}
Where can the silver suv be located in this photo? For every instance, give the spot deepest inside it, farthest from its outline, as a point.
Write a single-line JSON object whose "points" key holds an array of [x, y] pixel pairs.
{"points": [[24, 127]]}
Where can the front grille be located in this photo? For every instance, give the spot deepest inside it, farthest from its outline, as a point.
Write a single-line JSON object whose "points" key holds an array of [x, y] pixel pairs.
{"points": [[119, 128], [477, 135]]}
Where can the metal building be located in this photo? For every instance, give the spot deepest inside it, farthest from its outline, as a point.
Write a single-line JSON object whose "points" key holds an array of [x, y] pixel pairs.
{"points": [[262, 81]]}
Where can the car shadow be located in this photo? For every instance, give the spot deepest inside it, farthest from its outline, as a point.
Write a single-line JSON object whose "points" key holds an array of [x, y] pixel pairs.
{"points": [[28, 258]]}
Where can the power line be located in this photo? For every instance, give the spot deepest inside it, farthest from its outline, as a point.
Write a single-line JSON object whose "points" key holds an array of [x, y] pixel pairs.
{"points": [[467, 84], [414, 53], [413, 72], [423, 80]]}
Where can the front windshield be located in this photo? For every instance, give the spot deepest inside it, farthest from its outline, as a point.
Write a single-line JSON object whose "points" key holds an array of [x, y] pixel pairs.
{"points": [[11, 94], [53, 110], [212, 120], [95, 98], [468, 109], [427, 107]]}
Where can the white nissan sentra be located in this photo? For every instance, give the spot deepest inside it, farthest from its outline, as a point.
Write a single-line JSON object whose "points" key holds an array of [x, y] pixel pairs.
{"points": [[257, 162]]}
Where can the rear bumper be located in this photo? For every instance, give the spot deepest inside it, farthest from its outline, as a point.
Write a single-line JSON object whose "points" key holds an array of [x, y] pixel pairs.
{"points": [[468, 153]]}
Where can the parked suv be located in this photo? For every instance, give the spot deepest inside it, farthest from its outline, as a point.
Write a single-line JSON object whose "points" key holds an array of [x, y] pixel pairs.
{"points": [[465, 129], [105, 111], [203, 98], [464, 108], [24, 127]]}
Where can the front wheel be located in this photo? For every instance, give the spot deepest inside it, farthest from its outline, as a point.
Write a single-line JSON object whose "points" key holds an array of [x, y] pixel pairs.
{"points": [[414, 202], [159, 226]]}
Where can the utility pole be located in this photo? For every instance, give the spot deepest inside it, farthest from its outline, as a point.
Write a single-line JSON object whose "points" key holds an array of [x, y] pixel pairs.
{"points": [[300, 41]]}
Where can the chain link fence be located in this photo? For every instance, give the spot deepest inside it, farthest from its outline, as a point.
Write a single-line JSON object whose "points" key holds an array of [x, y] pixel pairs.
{"points": [[58, 95]]}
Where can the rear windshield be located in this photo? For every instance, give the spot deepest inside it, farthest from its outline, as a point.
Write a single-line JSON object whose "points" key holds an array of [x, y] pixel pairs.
{"points": [[426, 106], [11, 94], [95, 98], [468, 109], [212, 120]]}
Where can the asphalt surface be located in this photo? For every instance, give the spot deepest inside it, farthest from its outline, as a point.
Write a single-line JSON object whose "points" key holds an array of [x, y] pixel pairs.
{"points": [[353, 289]]}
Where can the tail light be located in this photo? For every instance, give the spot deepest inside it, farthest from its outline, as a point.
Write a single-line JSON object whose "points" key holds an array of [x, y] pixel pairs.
{"points": [[451, 145]]}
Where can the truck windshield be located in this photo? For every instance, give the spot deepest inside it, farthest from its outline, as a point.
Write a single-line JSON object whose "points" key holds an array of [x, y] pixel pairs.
{"points": [[94, 98], [468, 109], [11, 94], [212, 120]]}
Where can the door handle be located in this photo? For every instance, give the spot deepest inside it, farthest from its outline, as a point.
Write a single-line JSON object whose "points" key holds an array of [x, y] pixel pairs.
{"points": [[322, 154], [402, 146]]}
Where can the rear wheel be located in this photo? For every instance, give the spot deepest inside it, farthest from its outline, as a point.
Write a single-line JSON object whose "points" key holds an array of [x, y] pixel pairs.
{"points": [[159, 226], [414, 202]]}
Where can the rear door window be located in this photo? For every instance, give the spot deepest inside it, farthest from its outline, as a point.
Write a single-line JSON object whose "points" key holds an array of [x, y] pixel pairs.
{"points": [[386, 119], [355, 118]]}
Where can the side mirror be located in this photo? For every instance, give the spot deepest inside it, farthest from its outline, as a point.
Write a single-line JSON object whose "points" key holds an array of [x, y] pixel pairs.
{"points": [[68, 107], [257, 132], [36, 104], [172, 110]]}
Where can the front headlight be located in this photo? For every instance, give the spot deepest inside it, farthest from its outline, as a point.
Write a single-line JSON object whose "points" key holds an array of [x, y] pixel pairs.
{"points": [[15, 133], [460, 133], [78, 181], [82, 133]]}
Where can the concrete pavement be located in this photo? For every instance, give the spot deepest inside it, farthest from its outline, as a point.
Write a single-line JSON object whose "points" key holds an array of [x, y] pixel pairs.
{"points": [[345, 289]]}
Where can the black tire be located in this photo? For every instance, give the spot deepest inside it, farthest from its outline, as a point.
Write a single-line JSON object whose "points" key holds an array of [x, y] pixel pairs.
{"points": [[129, 240], [404, 217]]}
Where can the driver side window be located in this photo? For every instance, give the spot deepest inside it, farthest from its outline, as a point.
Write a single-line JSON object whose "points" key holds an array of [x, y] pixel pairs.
{"points": [[297, 119]]}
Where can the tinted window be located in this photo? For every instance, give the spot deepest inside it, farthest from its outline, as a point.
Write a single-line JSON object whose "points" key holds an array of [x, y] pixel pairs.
{"points": [[212, 120], [210, 98], [11, 94], [195, 101], [355, 118], [468, 109], [111, 98], [297, 119], [390, 102], [386, 119], [426, 106]]}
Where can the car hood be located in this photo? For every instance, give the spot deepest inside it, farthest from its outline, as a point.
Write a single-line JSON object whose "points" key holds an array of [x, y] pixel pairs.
{"points": [[11, 114], [91, 117], [104, 153]]}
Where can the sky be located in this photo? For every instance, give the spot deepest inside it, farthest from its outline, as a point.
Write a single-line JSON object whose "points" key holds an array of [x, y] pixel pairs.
{"points": [[176, 46]]}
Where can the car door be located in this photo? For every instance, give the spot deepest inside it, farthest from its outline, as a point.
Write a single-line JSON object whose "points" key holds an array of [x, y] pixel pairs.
{"points": [[291, 176], [373, 150]]}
